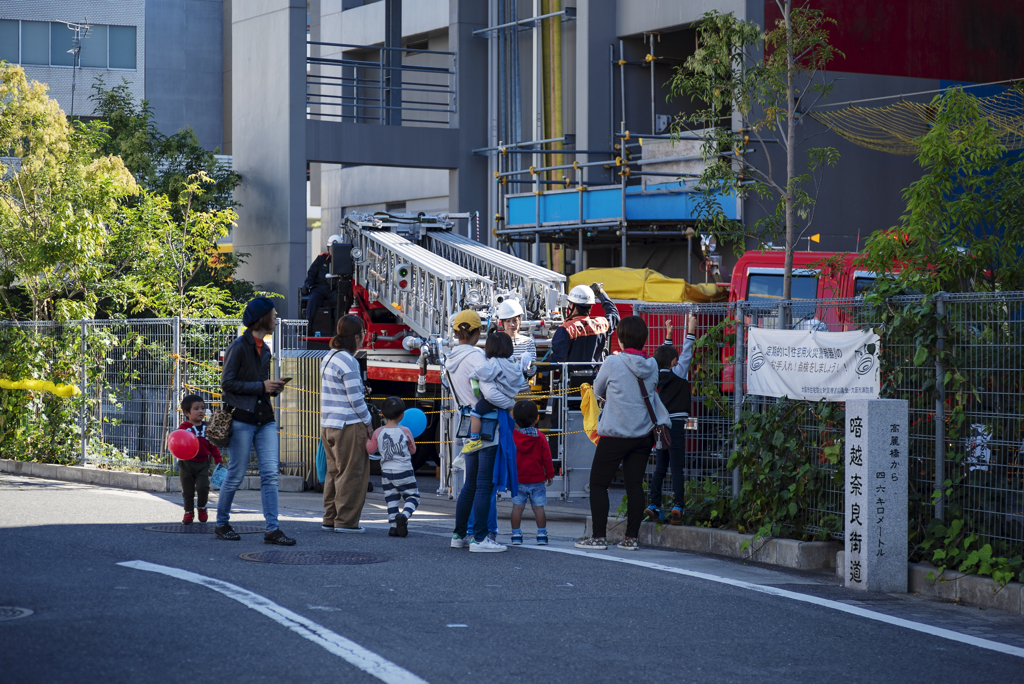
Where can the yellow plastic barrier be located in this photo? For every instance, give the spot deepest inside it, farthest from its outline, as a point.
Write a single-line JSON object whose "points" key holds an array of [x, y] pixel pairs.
{"points": [[40, 386]]}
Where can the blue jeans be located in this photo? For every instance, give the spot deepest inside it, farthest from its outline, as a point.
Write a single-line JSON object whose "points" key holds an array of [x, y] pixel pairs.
{"points": [[243, 436], [492, 519], [477, 494], [671, 459]]}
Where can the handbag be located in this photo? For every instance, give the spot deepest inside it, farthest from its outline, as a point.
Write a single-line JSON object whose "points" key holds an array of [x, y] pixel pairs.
{"points": [[662, 434], [488, 425], [218, 432]]}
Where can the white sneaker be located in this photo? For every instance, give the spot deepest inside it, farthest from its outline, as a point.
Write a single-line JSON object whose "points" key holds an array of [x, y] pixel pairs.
{"points": [[350, 530], [460, 542], [487, 546]]}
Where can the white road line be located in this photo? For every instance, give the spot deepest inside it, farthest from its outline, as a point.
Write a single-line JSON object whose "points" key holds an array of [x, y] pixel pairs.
{"points": [[364, 659], [796, 596]]}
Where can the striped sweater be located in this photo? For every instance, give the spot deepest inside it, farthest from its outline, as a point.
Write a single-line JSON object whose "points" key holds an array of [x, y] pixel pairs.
{"points": [[342, 401]]}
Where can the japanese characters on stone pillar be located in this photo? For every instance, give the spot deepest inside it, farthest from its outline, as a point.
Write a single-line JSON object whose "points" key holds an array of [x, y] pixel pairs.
{"points": [[876, 494]]}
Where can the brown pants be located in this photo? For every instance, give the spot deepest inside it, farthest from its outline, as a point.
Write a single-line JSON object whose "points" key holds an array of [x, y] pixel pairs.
{"points": [[348, 473]]}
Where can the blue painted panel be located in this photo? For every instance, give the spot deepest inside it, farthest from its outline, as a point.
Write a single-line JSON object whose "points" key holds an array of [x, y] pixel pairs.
{"points": [[606, 204]]}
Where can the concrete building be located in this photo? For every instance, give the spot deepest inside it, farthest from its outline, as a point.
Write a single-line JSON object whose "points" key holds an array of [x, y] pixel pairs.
{"points": [[402, 106], [595, 64], [168, 51]]}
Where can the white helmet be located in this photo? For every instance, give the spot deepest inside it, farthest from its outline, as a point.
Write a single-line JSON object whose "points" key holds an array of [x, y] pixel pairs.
{"points": [[581, 294], [334, 239], [509, 308]]}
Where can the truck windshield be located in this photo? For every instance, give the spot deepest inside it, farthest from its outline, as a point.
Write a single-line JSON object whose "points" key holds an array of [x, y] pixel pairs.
{"points": [[861, 284], [769, 286]]}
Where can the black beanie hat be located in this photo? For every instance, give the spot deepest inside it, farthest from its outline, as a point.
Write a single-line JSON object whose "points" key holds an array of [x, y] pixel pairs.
{"points": [[255, 310]]}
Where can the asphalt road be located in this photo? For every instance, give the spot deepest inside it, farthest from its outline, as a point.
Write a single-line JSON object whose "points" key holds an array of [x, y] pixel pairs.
{"points": [[436, 614]]}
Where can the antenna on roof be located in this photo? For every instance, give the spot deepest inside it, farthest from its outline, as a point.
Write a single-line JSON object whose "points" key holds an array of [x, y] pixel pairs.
{"points": [[81, 31]]}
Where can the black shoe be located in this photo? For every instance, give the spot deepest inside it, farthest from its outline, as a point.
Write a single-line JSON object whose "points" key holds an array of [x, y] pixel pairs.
{"points": [[392, 532], [226, 533], [278, 537], [403, 525]]}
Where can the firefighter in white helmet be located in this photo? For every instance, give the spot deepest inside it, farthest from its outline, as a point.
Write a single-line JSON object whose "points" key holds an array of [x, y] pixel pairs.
{"points": [[318, 286], [510, 321], [582, 337]]}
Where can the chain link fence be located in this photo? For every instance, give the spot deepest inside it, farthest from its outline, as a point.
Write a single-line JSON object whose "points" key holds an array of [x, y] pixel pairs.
{"points": [[132, 375], [958, 360]]}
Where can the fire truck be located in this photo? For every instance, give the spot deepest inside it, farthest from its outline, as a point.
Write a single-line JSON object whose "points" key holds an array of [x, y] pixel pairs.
{"points": [[407, 275]]}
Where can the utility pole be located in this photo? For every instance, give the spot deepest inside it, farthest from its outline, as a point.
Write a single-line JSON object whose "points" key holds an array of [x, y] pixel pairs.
{"points": [[81, 31]]}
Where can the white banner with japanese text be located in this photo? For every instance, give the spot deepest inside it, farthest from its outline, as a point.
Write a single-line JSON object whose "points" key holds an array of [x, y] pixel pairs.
{"points": [[806, 364]]}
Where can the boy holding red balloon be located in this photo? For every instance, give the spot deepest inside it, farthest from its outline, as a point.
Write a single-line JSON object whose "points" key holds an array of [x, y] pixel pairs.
{"points": [[194, 469]]}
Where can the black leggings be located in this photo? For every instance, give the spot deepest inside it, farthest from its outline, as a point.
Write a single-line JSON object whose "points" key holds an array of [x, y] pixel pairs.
{"points": [[633, 454], [195, 480]]}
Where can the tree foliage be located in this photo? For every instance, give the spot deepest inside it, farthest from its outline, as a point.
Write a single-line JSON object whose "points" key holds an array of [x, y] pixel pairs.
{"points": [[963, 229], [755, 87], [83, 234]]}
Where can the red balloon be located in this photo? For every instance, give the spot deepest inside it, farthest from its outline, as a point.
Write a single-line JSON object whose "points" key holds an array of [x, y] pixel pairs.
{"points": [[183, 444]]}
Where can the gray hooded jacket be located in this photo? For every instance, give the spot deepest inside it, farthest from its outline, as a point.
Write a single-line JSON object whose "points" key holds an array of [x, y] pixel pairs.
{"points": [[500, 381], [625, 413], [460, 363]]}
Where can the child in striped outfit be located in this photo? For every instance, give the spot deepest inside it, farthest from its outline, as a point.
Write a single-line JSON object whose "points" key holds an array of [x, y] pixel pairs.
{"points": [[396, 446]]}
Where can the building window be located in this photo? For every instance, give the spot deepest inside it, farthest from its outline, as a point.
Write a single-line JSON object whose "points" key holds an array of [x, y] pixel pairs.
{"points": [[49, 43], [122, 47], [35, 42], [94, 48], [62, 42], [10, 41]]}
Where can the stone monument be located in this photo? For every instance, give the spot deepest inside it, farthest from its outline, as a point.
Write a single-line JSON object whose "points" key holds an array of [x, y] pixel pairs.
{"points": [[876, 494]]}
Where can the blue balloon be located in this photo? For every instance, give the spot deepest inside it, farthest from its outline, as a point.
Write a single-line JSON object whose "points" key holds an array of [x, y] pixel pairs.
{"points": [[415, 420]]}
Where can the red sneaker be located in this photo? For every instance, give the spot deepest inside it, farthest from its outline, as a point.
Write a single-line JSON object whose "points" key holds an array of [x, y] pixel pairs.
{"points": [[187, 520], [203, 517]]}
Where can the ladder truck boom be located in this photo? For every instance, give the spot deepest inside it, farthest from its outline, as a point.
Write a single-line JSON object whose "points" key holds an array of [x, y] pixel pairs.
{"points": [[541, 290], [423, 289]]}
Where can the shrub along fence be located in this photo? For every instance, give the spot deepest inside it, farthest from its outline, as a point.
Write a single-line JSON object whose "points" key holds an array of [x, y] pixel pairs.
{"points": [[775, 467], [132, 375]]}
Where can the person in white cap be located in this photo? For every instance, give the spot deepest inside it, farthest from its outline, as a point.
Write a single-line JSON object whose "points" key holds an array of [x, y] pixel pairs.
{"points": [[524, 349], [318, 285]]}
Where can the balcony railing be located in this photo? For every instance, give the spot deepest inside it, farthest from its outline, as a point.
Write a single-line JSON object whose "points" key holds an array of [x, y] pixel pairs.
{"points": [[382, 85]]}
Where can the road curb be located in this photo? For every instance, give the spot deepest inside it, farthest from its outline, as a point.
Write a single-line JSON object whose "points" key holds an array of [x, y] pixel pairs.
{"points": [[787, 553], [973, 590], [125, 480]]}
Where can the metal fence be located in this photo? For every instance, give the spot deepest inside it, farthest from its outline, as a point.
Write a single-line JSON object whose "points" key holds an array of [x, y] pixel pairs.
{"points": [[133, 375], [958, 360]]}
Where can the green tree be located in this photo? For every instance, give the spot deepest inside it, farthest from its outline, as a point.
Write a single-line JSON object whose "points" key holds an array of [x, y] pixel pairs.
{"points": [[754, 85], [963, 228], [167, 165], [61, 206], [79, 234]]}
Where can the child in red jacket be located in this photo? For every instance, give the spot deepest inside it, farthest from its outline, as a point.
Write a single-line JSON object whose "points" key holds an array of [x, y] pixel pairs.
{"points": [[195, 473], [533, 458]]}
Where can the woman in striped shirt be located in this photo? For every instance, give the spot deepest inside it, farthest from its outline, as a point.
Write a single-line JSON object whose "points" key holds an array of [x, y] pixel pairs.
{"points": [[345, 426], [510, 318]]}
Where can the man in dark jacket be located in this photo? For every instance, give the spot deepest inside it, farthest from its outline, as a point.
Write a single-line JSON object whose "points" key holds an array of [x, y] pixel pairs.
{"points": [[318, 285], [247, 389], [582, 337]]}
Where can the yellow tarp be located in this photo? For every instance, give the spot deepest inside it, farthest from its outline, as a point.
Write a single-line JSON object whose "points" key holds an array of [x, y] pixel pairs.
{"points": [[648, 285]]}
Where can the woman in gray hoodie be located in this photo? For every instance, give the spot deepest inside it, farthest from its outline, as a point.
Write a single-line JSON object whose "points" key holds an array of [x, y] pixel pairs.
{"points": [[476, 495], [626, 431]]}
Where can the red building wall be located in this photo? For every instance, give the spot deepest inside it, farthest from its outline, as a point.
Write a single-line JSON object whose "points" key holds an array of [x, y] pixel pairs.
{"points": [[976, 41]]}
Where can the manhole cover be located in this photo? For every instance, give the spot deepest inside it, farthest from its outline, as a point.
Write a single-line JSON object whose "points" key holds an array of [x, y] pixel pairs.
{"points": [[13, 612], [312, 557], [203, 528]]}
